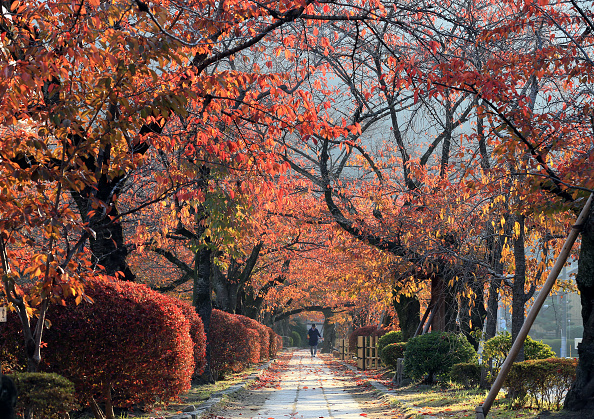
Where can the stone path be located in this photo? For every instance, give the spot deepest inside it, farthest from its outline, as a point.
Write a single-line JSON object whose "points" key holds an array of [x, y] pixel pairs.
{"points": [[309, 390]]}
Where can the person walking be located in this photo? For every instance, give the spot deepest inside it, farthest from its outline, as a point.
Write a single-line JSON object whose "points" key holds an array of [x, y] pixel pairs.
{"points": [[313, 335]]}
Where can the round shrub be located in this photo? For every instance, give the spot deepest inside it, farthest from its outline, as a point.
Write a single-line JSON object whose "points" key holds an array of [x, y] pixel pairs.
{"points": [[498, 347], [47, 395], [390, 354], [393, 336], [132, 338], [296, 338], [196, 333], [233, 345], [431, 356], [467, 374]]}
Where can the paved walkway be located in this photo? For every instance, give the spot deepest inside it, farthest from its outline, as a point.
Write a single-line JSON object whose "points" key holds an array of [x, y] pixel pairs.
{"points": [[309, 390]]}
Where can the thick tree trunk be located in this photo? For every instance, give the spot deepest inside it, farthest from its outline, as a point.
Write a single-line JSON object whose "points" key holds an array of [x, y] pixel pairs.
{"points": [[408, 310], [581, 394], [226, 291], [108, 245], [201, 300]]}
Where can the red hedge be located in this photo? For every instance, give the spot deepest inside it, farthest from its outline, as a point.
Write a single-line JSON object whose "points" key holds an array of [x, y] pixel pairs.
{"points": [[233, 345], [276, 343], [262, 330], [196, 333], [132, 337]]}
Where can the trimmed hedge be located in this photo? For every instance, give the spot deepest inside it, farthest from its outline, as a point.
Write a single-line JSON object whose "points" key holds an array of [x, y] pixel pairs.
{"points": [[132, 338], [543, 381], [467, 374], [390, 354], [264, 339], [393, 336], [196, 333], [499, 346], [431, 356], [233, 345], [49, 396], [276, 343]]}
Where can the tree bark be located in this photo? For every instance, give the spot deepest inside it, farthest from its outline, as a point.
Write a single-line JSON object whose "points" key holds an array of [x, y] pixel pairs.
{"points": [[581, 394], [108, 246], [408, 310], [519, 296], [202, 301]]}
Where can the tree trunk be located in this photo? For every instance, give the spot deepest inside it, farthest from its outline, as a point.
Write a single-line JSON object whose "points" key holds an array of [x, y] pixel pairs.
{"points": [[329, 332], [408, 310], [581, 394], [201, 300], [226, 290], [108, 246], [519, 296]]}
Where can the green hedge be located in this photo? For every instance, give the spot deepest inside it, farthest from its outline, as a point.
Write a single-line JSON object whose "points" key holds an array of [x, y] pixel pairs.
{"points": [[394, 336], [390, 354], [541, 381], [431, 356], [467, 374], [48, 395]]}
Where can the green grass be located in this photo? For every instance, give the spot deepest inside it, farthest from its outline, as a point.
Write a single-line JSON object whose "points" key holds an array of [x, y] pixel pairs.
{"points": [[421, 400]]}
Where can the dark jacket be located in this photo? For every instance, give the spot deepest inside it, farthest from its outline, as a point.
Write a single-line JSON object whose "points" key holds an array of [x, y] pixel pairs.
{"points": [[313, 335]]}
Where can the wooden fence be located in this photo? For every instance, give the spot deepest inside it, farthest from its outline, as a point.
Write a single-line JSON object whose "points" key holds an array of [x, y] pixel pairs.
{"points": [[367, 356]]}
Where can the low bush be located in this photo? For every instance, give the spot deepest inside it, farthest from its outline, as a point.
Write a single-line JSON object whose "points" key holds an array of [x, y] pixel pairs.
{"points": [[46, 395], [432, 355], [467, 374], [542, 381], [393, 336], [390, 354], [296, 338], [497, 348], [196, 333], [233, 345]]}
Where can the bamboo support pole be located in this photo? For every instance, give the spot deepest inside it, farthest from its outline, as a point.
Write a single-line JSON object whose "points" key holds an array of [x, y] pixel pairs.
{"points": [[483, 410]]}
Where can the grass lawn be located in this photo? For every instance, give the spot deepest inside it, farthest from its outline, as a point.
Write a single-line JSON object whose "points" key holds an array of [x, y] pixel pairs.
{"points": [[422, 400]]}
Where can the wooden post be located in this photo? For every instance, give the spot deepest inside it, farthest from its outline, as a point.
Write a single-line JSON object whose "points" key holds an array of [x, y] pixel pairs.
{"points": [[399, 371], [361, 352], [538, 302]]}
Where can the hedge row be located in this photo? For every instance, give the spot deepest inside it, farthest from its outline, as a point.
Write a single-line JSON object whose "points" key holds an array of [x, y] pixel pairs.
{"points": [[143, 345], [542, 381], [238, 341]]}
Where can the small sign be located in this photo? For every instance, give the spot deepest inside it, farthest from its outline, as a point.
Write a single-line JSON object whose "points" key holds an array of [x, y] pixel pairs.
{"points": [[2, 314], [577, 342]]}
